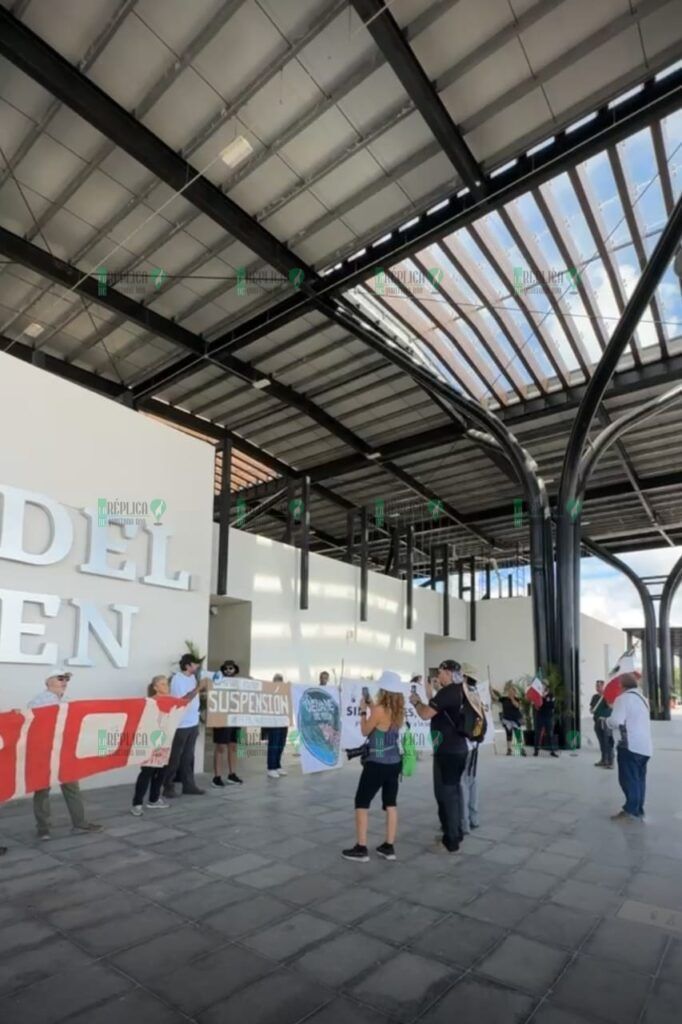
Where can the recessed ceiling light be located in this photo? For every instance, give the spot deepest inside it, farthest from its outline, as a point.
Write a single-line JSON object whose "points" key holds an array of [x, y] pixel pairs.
{"points": [[33, 330], [262, 383], [237, 151]]}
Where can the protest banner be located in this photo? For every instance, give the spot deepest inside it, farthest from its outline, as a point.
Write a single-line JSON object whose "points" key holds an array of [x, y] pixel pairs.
{"points": [[255, 702], [318, 724], [73, 740], [351, 696]]}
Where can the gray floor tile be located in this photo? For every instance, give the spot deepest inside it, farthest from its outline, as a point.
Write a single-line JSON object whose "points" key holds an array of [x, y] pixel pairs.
{"points": [[523, 963], [66, 993], [557, 925], [208, 898], [664, 1004], [352, 904], [343, 1010], [23, 935], [134, 1007], [285, 939], [27, 966], [593, 899], [273, 874], [285, 999], [528, 882], [475, 1001], [229, 867], [312, 887], [503, 908], [555, 864], [458, 940], [120, 932], [405, 984], [247, 916], [340, 959], [627, 943], [508, 855], [603, 874], [208, 979], [158, 955], [602, 990], [95, 911], [653, 889], [400, 922], [671, 968], [550, 1014]]}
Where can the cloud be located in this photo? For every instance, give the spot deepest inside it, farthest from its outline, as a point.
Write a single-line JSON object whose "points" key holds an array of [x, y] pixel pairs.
{"points": [[608, 595]]}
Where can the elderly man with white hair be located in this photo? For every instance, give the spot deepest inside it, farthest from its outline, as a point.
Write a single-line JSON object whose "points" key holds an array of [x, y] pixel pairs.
{"points": [[55, 688], [632, 718]]}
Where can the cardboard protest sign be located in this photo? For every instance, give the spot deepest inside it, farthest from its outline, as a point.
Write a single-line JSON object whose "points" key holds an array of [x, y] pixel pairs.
{"points": [[255, 702], [318, 725], [70, 741]]}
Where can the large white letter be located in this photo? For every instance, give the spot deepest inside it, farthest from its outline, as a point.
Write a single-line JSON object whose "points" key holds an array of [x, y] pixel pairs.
{"points": [[158, 556], [90, 618], [14, 502], [12, 628], [100, 545]]}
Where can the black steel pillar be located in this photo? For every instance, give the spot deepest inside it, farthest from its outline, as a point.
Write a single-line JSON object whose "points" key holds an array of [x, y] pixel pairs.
{"points": [[666, 678], [395, 549], [460, 578], [434, 566], [409, 573], [305, 543], [291, 499], [569, 505], [446, 591], [350, 535], [510, 585], [486, 596], [224, 521], [364, 519], [649, 644]]}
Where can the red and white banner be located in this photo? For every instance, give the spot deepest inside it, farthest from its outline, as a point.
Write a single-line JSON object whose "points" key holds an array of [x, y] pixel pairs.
{"points": [[536, 692], [625, 666], [73, 740]]}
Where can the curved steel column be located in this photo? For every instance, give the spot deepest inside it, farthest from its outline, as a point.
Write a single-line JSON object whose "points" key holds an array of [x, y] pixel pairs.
{"points": [[649, 642], [666, 671], [568, 509]]}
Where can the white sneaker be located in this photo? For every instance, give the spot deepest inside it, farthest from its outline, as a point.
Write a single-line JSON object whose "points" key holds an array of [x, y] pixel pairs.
{"points": [[159, 803], [273, 774], [136, 809], [282, 771]]}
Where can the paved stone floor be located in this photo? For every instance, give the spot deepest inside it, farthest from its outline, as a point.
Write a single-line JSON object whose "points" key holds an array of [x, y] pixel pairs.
{"points": [[237, 906]]}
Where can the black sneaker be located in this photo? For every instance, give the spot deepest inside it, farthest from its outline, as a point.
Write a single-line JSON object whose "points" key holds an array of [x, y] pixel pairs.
{"points": [[234, 779], [553, 754], [217, 782], [356, 853], [387, 851]]}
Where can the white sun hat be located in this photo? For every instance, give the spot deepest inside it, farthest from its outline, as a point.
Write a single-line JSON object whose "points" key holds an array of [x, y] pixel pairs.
{"points": [[391, 682]]}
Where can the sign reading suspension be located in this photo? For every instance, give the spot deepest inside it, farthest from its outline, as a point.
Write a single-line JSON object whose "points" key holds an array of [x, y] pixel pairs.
{"points": [[255, 702]]}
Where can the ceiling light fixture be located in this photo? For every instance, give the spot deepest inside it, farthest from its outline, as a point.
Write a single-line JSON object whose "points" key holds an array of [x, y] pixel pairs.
{"points": [[236, 152], [33, 330]]}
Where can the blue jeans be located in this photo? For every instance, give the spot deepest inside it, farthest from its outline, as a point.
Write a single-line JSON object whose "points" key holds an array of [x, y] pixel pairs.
{"points": [[277, 739], [632, 779]]}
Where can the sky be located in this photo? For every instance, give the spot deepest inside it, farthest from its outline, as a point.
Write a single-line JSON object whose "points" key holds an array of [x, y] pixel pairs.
{"points": [[608, 595]]}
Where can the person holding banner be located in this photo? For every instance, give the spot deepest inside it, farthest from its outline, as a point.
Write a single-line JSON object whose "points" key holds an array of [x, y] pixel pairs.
{"points": [[381, 722], [277, 741], [184, 684], [632, 717], [449, 750], [225, 739], [601, 712], [151, 776], [55, 688]]}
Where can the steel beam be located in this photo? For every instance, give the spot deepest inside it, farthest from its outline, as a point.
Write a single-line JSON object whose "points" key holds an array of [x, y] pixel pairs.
{"points": [[305, 544], [364, 528], [446, 590], [666, 674], [409, 574], [383, 28], [224, 522]]}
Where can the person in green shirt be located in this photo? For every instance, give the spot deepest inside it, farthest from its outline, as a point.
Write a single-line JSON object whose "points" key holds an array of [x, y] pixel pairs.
{"points": [[600, 711]]}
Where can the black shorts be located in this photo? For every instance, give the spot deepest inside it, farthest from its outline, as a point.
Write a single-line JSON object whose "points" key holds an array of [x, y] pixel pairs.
{"points": [[226, 734], [375, 777]]}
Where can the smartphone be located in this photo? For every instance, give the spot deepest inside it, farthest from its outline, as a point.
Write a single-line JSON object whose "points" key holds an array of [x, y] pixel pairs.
{"points": [[413, 689], [365, 694]]}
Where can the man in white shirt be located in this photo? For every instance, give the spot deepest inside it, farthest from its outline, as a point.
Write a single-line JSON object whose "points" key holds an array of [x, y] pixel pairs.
{"points": [[55, 688], [631, 719], [184, 684]]}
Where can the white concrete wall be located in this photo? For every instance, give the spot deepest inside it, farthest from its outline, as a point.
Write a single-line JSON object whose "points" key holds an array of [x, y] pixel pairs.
{"points": [[504, 647], [300, 644], [229, 633], [65, 442]]}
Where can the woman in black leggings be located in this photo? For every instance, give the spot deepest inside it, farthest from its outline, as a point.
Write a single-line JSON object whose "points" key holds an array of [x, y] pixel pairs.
{"points": [[151, 777], [381, 771]]}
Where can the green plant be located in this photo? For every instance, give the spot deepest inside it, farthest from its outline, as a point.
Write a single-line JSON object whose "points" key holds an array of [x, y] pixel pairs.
{"points": [[194, 651]]}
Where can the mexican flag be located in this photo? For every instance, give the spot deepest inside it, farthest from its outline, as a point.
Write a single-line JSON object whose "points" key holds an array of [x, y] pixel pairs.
{"points": [[536, 692], [624, 666]]}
